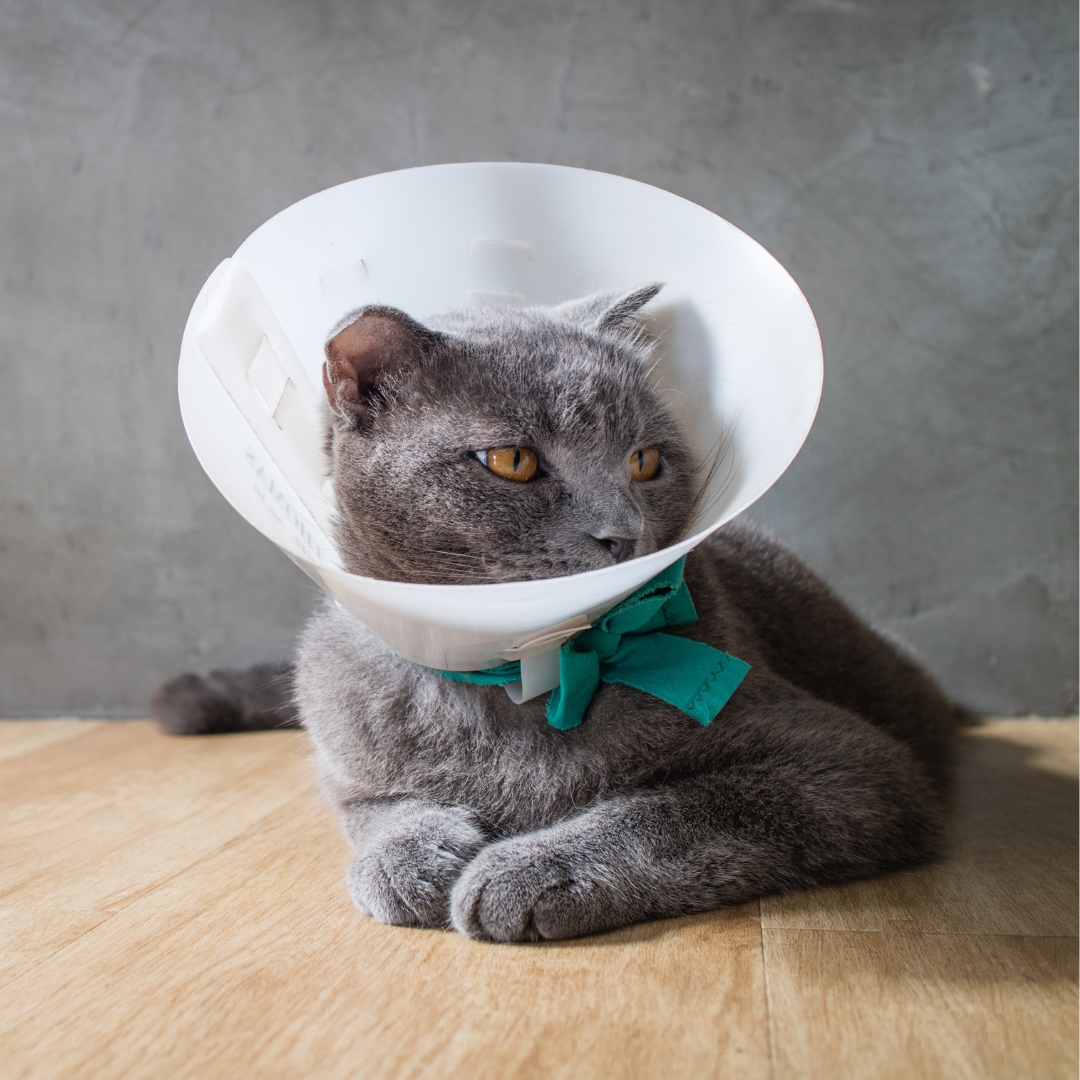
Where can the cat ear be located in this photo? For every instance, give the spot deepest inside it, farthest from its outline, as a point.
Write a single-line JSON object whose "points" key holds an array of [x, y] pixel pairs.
{"points": [[609, 312], [364, 352]]}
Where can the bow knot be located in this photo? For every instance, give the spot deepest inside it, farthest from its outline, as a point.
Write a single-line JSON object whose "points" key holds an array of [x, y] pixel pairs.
{"points": [[626, 645]]}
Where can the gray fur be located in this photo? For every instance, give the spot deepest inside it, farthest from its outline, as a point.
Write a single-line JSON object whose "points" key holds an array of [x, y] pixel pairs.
{"points": [[416, 505], [830, 762], [227, 699]]}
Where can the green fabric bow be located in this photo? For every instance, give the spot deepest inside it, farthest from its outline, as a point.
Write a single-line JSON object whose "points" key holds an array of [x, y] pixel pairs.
{"points": [[626, 646]]}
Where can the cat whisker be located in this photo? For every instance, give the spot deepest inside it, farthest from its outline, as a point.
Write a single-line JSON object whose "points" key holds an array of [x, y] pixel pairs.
{"points": [[457, 554], [703, 503]]}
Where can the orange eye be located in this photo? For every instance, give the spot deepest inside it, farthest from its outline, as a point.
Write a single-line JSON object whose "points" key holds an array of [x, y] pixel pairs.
{"points": [[512, 462], [644, 464]]}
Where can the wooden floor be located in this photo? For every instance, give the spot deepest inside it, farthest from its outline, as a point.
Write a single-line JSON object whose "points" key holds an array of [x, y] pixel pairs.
{"points": [[175, 908]]}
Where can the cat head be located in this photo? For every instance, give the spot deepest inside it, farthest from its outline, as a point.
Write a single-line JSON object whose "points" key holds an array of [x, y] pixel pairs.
{"points": [[501, 444]]}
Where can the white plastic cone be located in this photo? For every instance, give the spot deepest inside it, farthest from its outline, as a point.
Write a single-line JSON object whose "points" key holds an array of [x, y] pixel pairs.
{"points": [[739, 355]]}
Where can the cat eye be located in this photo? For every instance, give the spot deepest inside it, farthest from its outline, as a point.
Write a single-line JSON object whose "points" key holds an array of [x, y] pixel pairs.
{"points": [[510, 462], [644, 464]]}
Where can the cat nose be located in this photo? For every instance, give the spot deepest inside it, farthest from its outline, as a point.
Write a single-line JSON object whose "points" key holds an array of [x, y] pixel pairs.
{"points": [[621, 548]]}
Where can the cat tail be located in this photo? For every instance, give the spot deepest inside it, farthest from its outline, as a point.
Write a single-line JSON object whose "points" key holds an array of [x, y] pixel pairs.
{"points": [[257, 698], [965, 717]]}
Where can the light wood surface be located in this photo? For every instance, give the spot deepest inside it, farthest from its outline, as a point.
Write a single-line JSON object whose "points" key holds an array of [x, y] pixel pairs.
{"points": [[175, 908]]}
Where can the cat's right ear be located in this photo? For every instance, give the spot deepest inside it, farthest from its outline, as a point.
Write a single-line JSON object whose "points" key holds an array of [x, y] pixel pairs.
{"points": [[611, 312], [364, 353]]}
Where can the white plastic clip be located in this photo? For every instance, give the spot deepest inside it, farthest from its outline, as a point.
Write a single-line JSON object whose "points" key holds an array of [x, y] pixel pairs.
{"points": [[539, 658]]}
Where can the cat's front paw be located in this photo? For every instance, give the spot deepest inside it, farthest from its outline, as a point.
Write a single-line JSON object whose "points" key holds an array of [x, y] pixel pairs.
{"points": [[523, 890], [404, 876]]}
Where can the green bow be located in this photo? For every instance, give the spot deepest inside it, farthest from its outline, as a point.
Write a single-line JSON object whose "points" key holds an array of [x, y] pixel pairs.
{"points": [[626, 646]]}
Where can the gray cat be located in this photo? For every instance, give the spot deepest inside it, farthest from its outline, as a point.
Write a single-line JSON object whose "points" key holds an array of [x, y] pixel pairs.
{"points": [[493, 446]]}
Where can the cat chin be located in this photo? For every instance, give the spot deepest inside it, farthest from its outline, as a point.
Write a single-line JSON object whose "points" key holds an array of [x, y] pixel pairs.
{"points": [[421, 567], [489, 579], [491, 575]]}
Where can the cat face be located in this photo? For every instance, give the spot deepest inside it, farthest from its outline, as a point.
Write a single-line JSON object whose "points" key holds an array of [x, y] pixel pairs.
{"points": [[501, 445]]}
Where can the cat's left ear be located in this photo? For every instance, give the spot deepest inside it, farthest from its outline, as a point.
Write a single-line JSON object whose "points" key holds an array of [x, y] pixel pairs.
{"points": [[609, 312], [365, 353]]}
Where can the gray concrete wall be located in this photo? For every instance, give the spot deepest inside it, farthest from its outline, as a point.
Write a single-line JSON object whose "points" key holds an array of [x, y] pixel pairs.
{"points": [[912, 163]]}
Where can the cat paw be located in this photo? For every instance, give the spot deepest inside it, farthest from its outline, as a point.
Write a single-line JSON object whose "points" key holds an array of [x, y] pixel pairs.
{"points": [[404, 877], [516, 890]]}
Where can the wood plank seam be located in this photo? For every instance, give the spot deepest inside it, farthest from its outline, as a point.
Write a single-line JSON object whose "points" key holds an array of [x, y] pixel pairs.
{"points": [[765, 994], [59, 951]]}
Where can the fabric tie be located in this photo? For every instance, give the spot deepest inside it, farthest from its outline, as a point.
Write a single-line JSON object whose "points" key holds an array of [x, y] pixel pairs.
{"points": [[626, 646]]}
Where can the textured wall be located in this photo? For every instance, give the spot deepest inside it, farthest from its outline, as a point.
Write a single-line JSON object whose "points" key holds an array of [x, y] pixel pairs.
{"points": [[912, 164]]}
